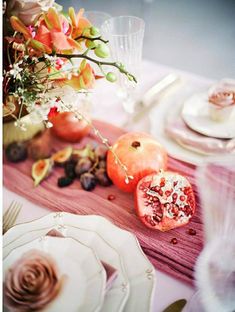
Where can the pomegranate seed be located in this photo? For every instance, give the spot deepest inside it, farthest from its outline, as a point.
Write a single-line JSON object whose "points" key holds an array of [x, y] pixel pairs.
{"points": [[155, 199], [175, 183], [152, 223], [158, 216], [175, 209], [167, 193], [149, 220], [162, 183], [155, 188], [174, 196], [174, 241], [192, 232], [160, 192], [111, 197], [182, 197], [187, 210]]}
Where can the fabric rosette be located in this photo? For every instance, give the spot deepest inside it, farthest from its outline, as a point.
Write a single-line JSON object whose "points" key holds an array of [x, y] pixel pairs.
{"points": [[221, 99], [32, 282]]}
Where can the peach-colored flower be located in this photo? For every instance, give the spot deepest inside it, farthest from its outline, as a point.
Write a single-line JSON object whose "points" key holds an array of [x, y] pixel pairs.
{"points": [[31, 283], [83, 79], [53, 33], [79, 23]]}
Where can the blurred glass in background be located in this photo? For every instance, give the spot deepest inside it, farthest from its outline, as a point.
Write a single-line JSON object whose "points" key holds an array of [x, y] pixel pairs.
{"points": [[196, 36]]}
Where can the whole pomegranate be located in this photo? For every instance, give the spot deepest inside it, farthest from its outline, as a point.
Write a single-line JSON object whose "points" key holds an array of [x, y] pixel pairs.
{"points": [[164, 201], [68, 128], [140, 153]]}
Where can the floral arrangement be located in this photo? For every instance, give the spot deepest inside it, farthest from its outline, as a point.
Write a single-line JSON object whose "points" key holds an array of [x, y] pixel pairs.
{"points": [[48, 55]]}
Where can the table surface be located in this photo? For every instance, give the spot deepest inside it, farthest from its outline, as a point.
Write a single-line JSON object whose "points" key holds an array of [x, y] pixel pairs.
{"points": [[106, 106]]}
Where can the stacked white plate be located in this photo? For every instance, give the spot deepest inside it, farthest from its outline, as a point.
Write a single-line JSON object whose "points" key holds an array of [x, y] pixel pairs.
{"points": [[88, 242]]}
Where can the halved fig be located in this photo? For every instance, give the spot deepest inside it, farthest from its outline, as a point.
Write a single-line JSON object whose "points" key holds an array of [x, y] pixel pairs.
{"points": [[164, 201], [41, 170], [87, 151], [62, 156]]}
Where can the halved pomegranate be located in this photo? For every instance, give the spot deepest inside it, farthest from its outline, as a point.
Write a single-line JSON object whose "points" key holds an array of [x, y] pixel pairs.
{"points": [[164, 201]]}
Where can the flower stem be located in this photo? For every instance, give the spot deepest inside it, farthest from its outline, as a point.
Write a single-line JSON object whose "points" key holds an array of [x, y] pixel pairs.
{"points": [[92, 39], [119, 66]]}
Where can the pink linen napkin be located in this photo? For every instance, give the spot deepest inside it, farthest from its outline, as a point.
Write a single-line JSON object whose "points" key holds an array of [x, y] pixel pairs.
{"points": [[111, 272], [177, 129]]}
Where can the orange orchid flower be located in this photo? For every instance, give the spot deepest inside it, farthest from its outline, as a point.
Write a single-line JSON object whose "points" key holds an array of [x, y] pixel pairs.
{"points": [[19, 26], [79, 23], [83, 79], [53, 33]]}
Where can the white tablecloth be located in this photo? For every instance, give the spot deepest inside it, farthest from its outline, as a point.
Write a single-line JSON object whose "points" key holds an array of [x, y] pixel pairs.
{"points": [[106, 106]]}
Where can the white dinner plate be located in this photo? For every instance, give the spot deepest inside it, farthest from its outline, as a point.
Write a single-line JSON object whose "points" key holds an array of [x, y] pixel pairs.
{"points": [[140, 272], [195, 114], [157, 120], [85, 276], [116, 297]]}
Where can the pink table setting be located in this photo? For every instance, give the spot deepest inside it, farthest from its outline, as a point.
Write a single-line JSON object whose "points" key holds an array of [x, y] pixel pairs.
{"points": [[118, 172]]}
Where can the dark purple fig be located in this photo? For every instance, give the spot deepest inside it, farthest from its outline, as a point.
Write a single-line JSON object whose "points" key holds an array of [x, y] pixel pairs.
{"points": [[102, 164], [64, 181], [69, 169], [83, 165], [101, 152], [102, 177], [88, 181], [16, 152]]}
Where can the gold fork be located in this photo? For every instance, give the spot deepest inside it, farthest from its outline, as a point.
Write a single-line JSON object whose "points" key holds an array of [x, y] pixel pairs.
{"points": [[10, 215]]}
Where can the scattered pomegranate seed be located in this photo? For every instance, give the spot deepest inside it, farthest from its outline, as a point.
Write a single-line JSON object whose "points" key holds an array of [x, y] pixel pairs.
{"points": [[192, 232], [174, 241], [168, 193], [111, 197]]}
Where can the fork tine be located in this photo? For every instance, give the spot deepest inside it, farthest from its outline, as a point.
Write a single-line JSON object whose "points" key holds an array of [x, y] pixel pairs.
{"points": [[7, 215], [14, 216], [8, 210], [11, 216]]}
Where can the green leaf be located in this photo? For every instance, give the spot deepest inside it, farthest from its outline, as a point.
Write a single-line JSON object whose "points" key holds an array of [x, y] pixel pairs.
{"points": [[176, 306]]}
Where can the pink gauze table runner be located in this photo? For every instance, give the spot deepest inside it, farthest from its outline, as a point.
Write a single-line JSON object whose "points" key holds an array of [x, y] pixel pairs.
{"points": [[177, 260]]}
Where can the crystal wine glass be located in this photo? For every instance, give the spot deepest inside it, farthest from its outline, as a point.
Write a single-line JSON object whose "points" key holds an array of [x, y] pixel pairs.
{"points": [[215, 268], [125, 35], [97, 18]]}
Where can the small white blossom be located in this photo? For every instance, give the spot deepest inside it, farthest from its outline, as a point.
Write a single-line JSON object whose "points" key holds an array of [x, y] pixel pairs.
{"points": [[18, 123], [15, 71], [49, 124]]}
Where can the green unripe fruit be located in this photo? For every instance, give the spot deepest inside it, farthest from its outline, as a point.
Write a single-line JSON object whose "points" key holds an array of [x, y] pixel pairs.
{"points": [[94, 31], [111, 77], [86, 32], [91, 44], [102, 50]]}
